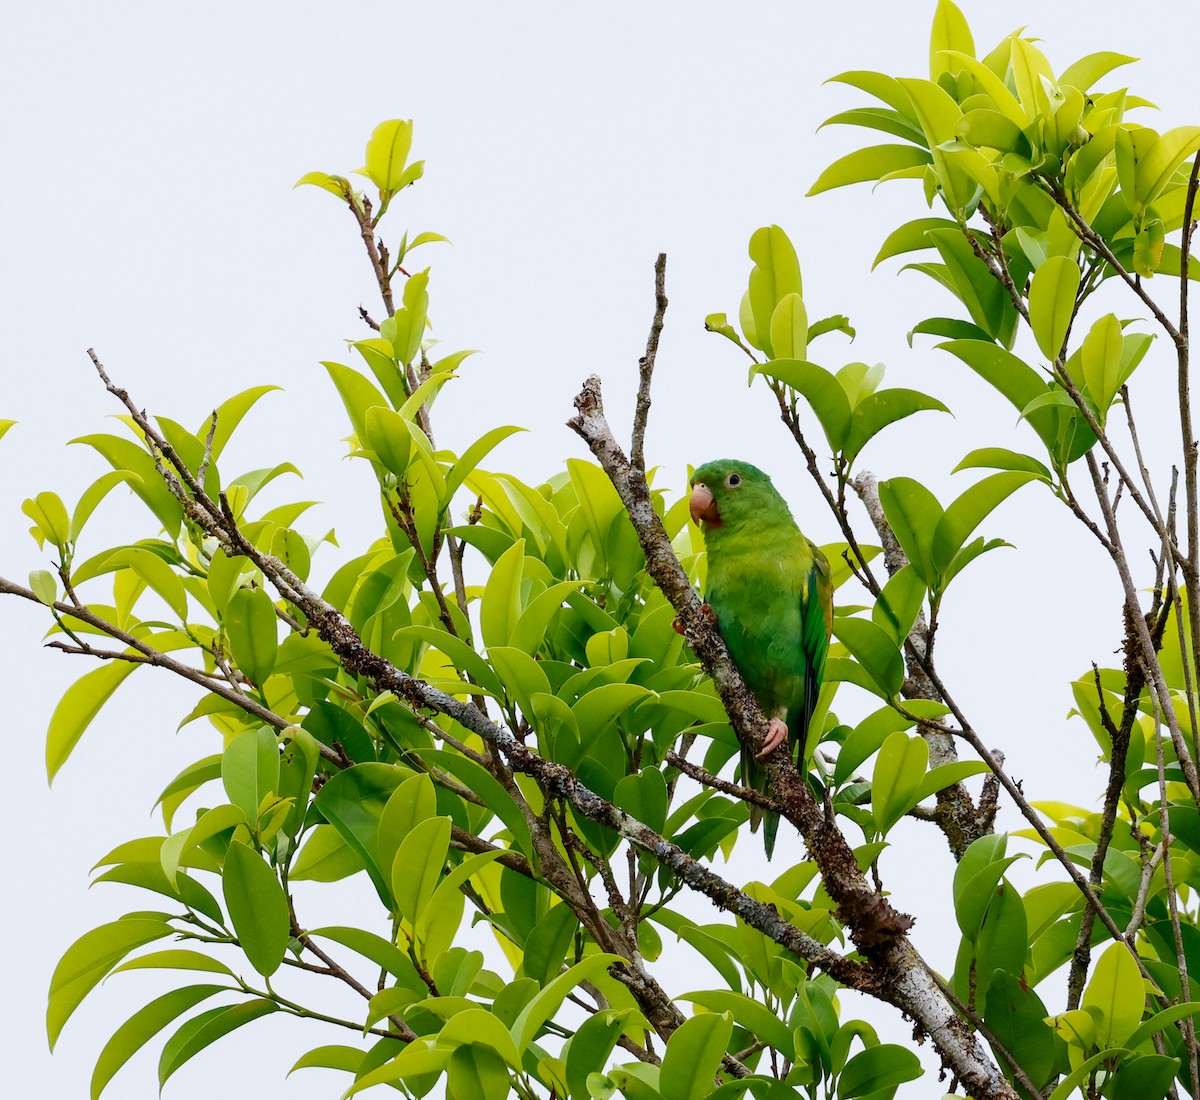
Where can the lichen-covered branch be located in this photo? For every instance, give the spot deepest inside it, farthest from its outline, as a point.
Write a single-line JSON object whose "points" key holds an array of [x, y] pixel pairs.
{"points": [[896, 974]]}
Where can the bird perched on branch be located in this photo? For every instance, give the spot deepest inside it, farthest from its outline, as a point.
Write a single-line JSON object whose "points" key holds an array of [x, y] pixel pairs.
{"points": [[769, 589]]}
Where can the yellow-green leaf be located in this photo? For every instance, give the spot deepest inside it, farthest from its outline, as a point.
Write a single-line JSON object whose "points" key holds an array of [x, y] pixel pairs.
{"points": [[252, 632], [387, 154], [1116, 995], [789, 328], [257, 907], [1052, 303], [950, 32], [79, 705], [1101, 356]]}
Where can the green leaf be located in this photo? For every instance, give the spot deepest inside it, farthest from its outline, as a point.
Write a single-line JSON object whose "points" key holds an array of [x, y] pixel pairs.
{"points": [[336, 185], [93, 495], [477, 1072], [899, 604], [969, 510], [500, 608], [999, 458], [911, 237], [79, 705], [475, 454], [1145, 1077], [204, 1030], [157, 574], [459, 653], [418, 865], [484, 784], [89, 959], [123, 454], [175, 959], [789, 328], [1101, 354], [412, 802], [950, 33], [1080, 1074], [178, 848], [877, 410], [291, 548], [749, 1013], [1016, 1016], [353, 802], [529, 634], [406, 330], [975, 893], [587, 1051], [946, 775], [866, 738], [382, 953], [775, 276], [387, 155], [1083, 73], [44, 586], [231, 411], [142, 1026], [1003, 941], [644, 796], [438, 923], [878, 118], [899, 771], [50, 514], [257, 907], [253, 633], [693, 1056], [876, 1068], [1155, 169], [1162, 1020], [358, 395], [970, 280], [874, 649], [4, 426], [548, 1000], [1052, 297], [250, 769], [325, 857], [1116, 994], [871, 163], [914, 515], [547, 943], [819, 388], [151, 876]]}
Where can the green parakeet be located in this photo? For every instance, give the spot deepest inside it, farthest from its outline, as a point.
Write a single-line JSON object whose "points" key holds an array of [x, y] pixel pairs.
{"points": [[770, 591]]}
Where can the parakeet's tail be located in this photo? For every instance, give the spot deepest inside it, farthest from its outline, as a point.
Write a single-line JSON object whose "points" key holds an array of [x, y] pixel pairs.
{"points": [[754, 775]]}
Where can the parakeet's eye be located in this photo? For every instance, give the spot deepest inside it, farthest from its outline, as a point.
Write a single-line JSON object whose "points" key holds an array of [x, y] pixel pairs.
{"points": [[733, 480]]}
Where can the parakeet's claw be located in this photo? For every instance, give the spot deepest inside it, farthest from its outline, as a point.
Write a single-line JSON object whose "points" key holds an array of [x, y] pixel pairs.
{"points": [[705, 610], [777, 732]]}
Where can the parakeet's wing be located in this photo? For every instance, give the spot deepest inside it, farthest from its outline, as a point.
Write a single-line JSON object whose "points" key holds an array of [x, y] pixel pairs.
{"points": [[816, 624]]}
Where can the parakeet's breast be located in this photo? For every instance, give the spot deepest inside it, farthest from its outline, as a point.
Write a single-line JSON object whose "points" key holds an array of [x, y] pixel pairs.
{"points": [[756, 589]]}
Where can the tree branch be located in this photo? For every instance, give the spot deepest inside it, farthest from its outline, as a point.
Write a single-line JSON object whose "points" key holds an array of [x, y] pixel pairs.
{"points": [[646, 365]]}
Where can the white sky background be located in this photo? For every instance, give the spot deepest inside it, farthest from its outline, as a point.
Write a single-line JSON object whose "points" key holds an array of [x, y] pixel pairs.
{"points": [[150, 154]]}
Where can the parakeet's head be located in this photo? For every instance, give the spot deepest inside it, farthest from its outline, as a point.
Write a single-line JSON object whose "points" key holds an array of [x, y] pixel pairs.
{"points": [[729, 493]]}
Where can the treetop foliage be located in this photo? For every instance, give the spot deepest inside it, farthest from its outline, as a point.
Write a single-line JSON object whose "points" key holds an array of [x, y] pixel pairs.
{"points": [[510, 715]]}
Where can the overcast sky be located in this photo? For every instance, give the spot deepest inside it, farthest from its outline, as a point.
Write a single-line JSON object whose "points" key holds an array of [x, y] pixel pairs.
{"points": [[150, 152]]}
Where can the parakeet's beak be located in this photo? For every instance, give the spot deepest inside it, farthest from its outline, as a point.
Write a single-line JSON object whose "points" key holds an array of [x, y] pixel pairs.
{"points": [[703, 506]]}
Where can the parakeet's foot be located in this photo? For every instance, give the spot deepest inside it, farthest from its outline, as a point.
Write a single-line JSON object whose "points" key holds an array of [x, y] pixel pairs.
{"points": [[705, 610], [777, 732]]}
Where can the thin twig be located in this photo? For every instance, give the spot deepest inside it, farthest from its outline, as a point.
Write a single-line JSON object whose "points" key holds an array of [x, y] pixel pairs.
{"points": [[746, 794], [646, 365]]}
